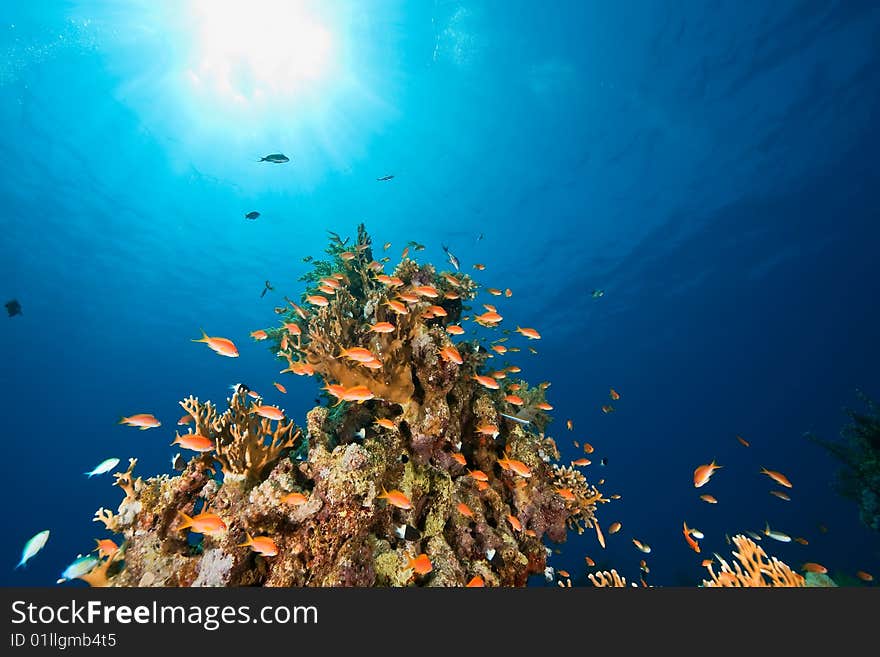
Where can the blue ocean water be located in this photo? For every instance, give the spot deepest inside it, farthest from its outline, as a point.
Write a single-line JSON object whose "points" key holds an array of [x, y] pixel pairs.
{"points": [[710, 165]]}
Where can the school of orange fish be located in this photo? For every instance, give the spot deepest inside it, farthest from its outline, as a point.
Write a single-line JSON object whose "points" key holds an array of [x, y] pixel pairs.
{"points": [[418, 298]]}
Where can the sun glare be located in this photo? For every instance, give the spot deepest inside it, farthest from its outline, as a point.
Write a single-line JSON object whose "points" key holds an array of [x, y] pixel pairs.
{"points": [[257, 50]]}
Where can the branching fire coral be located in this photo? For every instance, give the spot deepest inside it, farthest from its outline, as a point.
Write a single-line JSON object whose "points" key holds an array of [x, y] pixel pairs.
{"points": [[757, 569], [239, 435]]}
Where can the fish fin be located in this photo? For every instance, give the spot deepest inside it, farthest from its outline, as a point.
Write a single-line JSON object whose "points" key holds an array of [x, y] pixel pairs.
{"points": [[122, 420], [249, 541], [204, 337], [187, 521]]}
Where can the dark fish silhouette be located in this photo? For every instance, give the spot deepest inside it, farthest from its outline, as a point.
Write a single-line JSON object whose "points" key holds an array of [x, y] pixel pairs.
{"points": [[253, 214], [337, 238], [277, 158], [13, 308], [266, 289], [384, 178]]}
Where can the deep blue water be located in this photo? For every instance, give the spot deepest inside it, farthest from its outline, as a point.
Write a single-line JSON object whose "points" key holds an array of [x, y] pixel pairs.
{"points": [[712, 167]]}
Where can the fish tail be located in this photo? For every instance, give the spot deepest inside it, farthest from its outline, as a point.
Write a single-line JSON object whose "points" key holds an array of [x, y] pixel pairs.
{"points": [[249, 541], [122, 420], [204, 337], [187, 521]]}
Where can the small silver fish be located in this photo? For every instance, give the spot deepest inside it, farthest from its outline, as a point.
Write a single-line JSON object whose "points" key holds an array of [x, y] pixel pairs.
{"points": [[490, 553], [80, 566], [779, 536], [452, 259], [516, 419], [597, 293], [753, 535], [361, 433], [696, 533], [34, 545], [103, 467]]}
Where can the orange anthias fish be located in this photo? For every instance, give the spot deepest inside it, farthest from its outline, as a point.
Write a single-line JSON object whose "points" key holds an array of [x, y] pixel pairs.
{"points": [[690, 541], [262, 545], [812, 567], [464, 510], [382, 327], [357, 354], [589, 562], [186, 419], [530, 333], [742, 441], [778, 477], [293, 328], [420, 564], [709, 498], [614, 528], [479, 267], [280, 387], [195, 442], [395, 498], [499, 348], [390, 281], [581, 462], [488, 430], [222, 346], [259, 335], [569, 425], [486, 381], [397, 307], [268, 412], [203, 523], [494, 291], [141, 420], [566, 494], [385, 423], [544, 406], [318, 300], [426, 291], [459, 458], [513, 465], [607, 408], [488, 318], [514, 399], [479, 475], [358, 394], [451, 355], [704, 472], [106, 547], [864, 576], [454, 329], [294, 498], [588, 448], [801, 540], [780, 495], [613, 394], [514, 522], [476, 582]]}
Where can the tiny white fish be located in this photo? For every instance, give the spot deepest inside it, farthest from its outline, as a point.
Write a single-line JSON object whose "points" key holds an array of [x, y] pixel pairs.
{"points": [[104, 466], [80, 566], [753, 535], [696, 533], [361, 433], [34, 545]]}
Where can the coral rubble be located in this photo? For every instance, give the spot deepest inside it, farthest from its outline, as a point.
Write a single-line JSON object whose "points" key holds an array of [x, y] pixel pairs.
{"points": [[475, 493]]}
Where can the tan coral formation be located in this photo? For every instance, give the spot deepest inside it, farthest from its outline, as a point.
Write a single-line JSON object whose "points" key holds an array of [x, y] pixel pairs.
{"points": [[320, 496]]}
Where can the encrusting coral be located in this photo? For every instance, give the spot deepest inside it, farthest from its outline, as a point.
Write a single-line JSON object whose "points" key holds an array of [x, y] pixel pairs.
{"points": [[413, 473]]}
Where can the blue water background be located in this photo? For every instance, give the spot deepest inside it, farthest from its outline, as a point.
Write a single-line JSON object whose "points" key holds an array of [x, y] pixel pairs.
{"points": [[712, 166]]}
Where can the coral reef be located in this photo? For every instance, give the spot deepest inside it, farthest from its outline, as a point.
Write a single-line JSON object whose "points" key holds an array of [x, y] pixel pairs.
{"points": [[859, 452], [409, 475], [755, 569]]}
